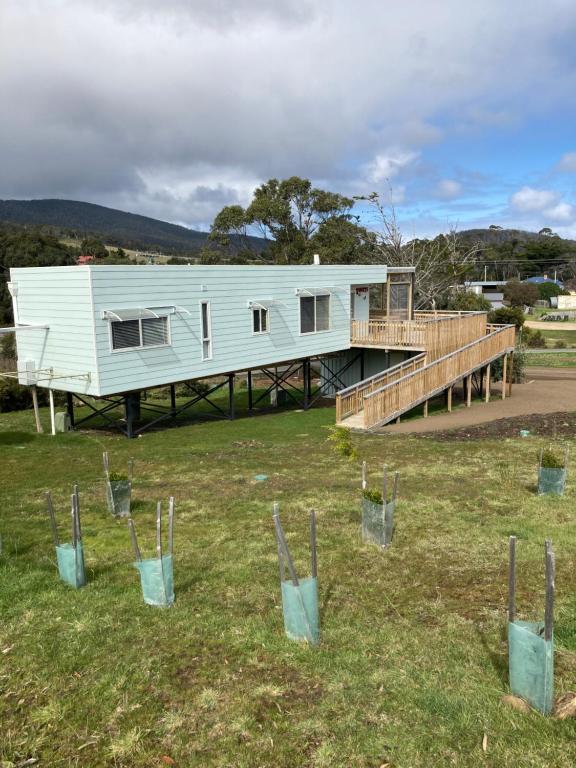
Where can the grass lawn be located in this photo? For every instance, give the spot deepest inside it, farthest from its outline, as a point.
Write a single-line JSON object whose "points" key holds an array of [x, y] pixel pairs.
{"points": [[552, 359], [413, 660], [569, 337]]}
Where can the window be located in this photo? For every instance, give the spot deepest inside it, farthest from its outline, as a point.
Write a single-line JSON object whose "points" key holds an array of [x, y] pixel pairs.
{"points": [[206, 322], [135, 334], [260, 320], [314, 314]]}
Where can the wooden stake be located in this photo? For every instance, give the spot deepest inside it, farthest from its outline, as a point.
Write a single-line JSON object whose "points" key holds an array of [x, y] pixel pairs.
{"points": [[39, 427], [159, 530], [74, 528], [384, 484], [52, 412], [487, 385], [77, 509], [512, 579], [130, 469], [171, 525], [53, 525], [363, 475], [550, 574], [134, 538], [281, 563], [313, 553], [504, 364], [395, 492], [106, 464]]}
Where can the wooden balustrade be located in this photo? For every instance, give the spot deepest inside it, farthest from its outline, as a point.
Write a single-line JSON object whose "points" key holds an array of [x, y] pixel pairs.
{"points": [[436, 333], [388, 402], [350, 401]]}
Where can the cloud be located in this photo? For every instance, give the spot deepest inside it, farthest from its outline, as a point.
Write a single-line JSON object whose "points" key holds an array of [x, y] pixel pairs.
{"points": [[528, 199], [561, 212], [171, 107], [567, 162], [448, 189], [388, 164]]}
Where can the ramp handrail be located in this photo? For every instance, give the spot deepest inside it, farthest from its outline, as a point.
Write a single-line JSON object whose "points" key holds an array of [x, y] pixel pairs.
{"points": [[391, 400]]}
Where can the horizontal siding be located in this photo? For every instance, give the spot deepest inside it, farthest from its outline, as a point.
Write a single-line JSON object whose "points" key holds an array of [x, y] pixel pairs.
{"points": [[228, 289], [59, 297]]}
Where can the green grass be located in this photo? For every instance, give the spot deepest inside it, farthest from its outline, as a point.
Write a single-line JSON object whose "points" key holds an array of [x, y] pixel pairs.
{"points": [[569, 337], [412, 664], [552, 360]]}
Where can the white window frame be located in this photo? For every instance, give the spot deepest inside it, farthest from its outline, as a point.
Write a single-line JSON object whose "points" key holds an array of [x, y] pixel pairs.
{"points": [[141, 347], [260, 310], [208, 338], [322, 295]]}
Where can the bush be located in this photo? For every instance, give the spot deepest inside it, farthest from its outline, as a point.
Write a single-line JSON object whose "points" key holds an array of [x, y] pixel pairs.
{"points": [[507, 316], [342, 439], [518, 370], [546, 290], [550, 460], [519, 294], [116, 477], [14, 397], [373, 495], [466, 301], [533, 338], [560, 344]]}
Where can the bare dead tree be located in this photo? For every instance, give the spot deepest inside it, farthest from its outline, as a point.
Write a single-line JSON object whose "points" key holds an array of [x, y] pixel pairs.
{"points": [[441, 264]]}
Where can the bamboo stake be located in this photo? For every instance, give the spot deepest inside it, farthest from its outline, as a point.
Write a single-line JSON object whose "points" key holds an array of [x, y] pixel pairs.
{"points": [[363, 475], [384, 484], [134, 538], [74, 529], [77, 509], [281, 563], [106, 465], [159, 530], [314, 555], [39, 427], [511, 579], [550, 574], [130, 469], [55, 537], [52, 412], [286, 551], [171, 525]]}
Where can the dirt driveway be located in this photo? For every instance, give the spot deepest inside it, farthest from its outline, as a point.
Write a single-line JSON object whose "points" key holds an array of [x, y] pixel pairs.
{"points": [[547, 390]]}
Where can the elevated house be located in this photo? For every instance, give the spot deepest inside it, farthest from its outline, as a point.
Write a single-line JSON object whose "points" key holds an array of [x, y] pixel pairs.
{"points": [[104, 335]]}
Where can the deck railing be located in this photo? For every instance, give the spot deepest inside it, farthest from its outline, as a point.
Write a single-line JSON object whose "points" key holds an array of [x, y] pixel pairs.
{"points": [[386, 403], [350, 401], [436, 333]]}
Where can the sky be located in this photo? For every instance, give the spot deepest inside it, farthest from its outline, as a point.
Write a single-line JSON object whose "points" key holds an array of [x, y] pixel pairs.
{"points": [[463, 113]]}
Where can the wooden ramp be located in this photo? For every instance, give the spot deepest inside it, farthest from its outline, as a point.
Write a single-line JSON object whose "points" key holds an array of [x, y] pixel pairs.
{"points": [[382, 398]]}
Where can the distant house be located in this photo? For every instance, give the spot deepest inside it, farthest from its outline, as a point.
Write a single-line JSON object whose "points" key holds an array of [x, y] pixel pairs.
{"points": [[85, 258], [539, 279], [491, 290]]}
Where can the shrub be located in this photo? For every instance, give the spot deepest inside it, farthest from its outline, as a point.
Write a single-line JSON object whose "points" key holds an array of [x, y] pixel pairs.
{"points": [[342, 439], [373, 495], [550, 460], [533, 338], [560, 344], [466, 301], [518, 370], [520, 294], [14, 397], [116, 477], [507, 316]]}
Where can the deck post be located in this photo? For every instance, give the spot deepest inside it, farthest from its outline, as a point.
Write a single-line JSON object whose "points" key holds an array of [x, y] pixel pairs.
{"points": [[487, 385], [305, 375], [172, 398], [131, 411], [425, 409], [36, 409], [231, 411], [362, 376], [449, 399], [70, 408], [511, 374], [469, 391], [249, 382], [504, 364]]}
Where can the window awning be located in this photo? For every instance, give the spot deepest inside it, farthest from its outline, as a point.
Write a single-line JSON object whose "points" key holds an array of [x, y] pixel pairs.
{"points": [[318, 291], [133, 313], [264, 303]]}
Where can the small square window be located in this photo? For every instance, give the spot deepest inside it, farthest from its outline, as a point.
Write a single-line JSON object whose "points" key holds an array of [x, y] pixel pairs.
{"points": [[260, 320]]}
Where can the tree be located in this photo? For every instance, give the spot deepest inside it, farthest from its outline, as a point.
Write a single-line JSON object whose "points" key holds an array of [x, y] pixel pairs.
{"points": [[519, 294], [546, 290], [289, 214], [466, 301], [92, 246], [441, 263]]}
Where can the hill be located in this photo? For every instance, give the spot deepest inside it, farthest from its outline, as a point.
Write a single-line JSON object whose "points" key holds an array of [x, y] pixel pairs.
{"points": [[119, 228]]}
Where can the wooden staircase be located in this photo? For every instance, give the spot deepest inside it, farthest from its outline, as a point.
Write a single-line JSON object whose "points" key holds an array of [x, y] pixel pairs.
{"points": [[382, 398]]}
